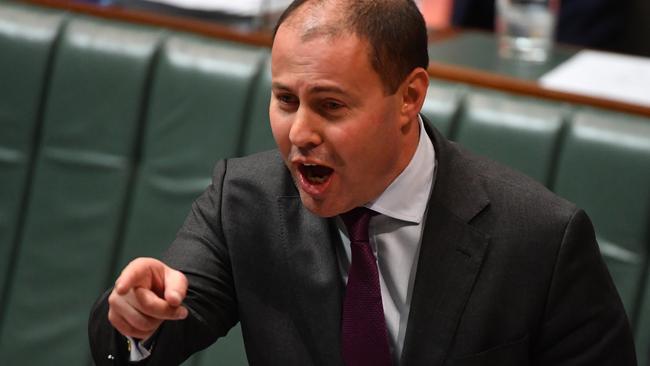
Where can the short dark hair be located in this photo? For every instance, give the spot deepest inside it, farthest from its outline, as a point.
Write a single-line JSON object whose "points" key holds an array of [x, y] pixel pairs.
{"points": [[394, 29]]}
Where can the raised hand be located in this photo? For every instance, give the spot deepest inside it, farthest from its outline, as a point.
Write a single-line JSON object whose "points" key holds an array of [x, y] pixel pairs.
{"points": [[146, 293]]}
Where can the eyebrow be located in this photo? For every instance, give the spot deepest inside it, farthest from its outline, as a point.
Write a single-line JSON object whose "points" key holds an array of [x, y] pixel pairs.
{"points": [[279, 86], [314, 89], [326, 89]]}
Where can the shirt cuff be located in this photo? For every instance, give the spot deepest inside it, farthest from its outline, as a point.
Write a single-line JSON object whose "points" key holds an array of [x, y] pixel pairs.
{"points": [[138, 350]]}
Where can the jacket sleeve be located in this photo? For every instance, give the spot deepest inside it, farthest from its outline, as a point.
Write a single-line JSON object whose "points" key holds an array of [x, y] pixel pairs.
{"points": [[200, 252], [584, 320]]}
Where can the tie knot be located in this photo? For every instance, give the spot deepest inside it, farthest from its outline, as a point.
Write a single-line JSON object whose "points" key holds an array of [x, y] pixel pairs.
{"points": [[356, 221]]}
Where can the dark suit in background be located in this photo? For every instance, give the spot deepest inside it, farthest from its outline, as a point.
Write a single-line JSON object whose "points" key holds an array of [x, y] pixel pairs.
{"points": [[589, 23], [508, 274]]}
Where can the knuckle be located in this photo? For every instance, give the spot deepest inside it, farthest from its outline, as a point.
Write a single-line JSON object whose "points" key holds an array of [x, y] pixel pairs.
{"points": [[112, 298], [148, 305], [119, 324], [146, 302], [111, 317]]}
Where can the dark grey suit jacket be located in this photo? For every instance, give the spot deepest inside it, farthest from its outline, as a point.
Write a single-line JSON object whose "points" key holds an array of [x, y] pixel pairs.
{"points": [[508, 274]]}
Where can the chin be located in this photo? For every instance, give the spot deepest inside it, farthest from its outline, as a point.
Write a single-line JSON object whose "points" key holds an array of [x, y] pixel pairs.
{"points": [[318, 208]]}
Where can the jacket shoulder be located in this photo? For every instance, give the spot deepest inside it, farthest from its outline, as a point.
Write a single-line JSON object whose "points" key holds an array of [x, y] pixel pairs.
{"points": [[510, 189], [262, 173]]}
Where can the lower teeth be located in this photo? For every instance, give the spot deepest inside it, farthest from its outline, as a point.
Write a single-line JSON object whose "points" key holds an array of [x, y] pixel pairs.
{"points": [[317, 179]]}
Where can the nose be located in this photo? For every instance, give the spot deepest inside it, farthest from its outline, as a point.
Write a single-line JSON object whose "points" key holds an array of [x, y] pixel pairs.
{"points": [[305, 132]]}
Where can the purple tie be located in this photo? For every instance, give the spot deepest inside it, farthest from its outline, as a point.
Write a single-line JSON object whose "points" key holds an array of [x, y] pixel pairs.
{"points": [[364, 334]]}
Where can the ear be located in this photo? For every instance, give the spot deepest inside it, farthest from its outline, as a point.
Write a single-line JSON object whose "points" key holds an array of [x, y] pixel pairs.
{"points": [[413, 91]]}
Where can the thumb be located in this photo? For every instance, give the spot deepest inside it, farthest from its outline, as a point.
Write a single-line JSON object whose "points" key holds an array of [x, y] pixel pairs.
{"points": [[175, 287]]}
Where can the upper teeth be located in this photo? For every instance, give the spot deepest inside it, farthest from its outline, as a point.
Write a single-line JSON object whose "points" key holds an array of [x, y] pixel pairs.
{"points": [[306, 164]]}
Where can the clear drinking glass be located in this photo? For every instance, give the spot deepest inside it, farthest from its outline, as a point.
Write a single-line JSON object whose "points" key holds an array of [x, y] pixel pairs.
{"points": [[526, 28]]}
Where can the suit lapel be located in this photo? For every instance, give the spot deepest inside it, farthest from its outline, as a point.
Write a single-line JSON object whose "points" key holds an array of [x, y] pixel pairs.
{"points": [[450, 258], [315, 282]]}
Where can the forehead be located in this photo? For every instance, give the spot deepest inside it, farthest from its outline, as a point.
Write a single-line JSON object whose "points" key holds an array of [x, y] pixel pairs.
{"points": [[322, 22], [342, 56], [302, 38]]}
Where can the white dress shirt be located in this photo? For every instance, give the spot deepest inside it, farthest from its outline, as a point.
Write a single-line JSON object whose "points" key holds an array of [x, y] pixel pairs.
{"points": [[395, 236]]}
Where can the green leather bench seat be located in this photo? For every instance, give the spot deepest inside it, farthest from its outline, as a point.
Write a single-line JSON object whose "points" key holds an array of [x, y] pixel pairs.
{"points": [[27, 37], [198, 101], [92, 117], [258, 133], [442, 105], [604, 168], [227, 351], [522, 133]]}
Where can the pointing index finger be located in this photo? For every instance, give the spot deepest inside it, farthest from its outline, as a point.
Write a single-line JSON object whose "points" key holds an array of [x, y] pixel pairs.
{"points": [[138, 273]]}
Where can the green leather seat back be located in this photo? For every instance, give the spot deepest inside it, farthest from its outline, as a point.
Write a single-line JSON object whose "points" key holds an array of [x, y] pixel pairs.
{"points": [[520, 132], [442, 104], [27, 36], [604, 168], [197, 110], [227, 351], [91, 123], [258, 135]]}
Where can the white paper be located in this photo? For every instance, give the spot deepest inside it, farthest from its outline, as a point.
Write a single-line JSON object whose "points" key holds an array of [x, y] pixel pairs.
{"points": [[604, 75], [236, 7]]}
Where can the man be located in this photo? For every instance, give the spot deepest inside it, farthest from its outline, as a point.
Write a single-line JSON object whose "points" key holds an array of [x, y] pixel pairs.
{"points": [[475, 264]]}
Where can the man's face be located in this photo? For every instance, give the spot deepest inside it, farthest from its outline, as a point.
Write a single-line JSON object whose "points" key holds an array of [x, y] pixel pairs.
{"points": [[341, 137]]}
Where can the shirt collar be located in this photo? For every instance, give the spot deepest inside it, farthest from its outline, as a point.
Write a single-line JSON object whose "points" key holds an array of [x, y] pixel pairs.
{"points": [[407, 196]]}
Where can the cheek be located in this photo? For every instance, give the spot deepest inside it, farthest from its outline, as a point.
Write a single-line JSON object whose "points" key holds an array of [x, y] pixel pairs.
{"points": [[280, 127], [379, 145]]}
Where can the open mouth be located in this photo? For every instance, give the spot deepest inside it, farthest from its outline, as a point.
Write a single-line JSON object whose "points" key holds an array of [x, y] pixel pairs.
{"points": [[315, 174]]}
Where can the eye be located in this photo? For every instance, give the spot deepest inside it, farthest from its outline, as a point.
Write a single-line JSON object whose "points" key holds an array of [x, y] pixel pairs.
{"points": [[332, 105], [287, 99]]}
